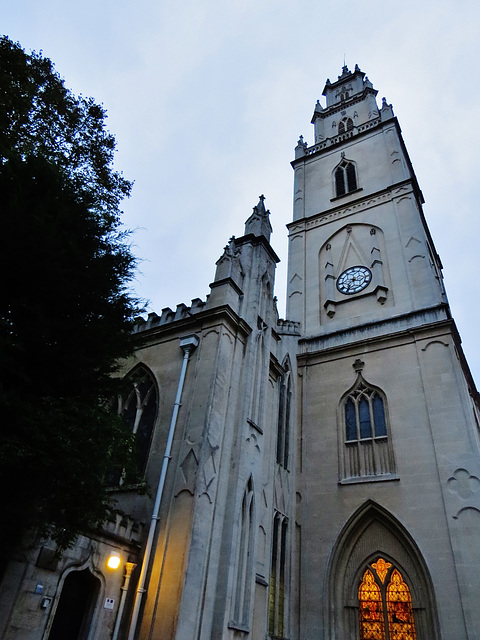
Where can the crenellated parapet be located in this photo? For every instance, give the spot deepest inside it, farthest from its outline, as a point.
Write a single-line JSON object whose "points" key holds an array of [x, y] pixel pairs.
{"points": [[120, 525], [288, 327], [182, 312]]}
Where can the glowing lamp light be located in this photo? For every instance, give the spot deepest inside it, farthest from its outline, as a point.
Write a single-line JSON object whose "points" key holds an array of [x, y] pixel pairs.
{"points": [[113, 560]]}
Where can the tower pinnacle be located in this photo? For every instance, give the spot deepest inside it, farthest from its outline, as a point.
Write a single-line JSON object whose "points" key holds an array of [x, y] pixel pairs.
{"points": [[259, 223]]}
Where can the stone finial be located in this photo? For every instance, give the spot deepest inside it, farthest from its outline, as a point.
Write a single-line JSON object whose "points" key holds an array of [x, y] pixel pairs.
{"points": [[358, 365], [386, 110], [229, 249], [301, 142], [300, 148], [259, 223], [367, 83], [261, 205]]}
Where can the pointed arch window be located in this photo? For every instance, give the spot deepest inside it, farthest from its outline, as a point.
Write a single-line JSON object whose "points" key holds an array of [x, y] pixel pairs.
{"points": [[385, 604], [244, 567], [277, 594], [346, 124], [283, 424], [345, 177], [364, 433], [138, 406]]}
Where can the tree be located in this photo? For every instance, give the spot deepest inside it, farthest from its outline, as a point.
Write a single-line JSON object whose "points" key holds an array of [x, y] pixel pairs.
{"points": [[66, 312]]}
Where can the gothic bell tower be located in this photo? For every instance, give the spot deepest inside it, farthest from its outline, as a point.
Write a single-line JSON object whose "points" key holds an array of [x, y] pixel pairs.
{"points": [[360, 250], [388, 413]]}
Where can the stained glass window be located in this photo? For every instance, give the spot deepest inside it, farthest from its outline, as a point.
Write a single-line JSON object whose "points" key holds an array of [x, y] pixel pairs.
{"points": [[379, 417], [399, 608], [372, 621], [364, 416], [385, 604], [370, 410]]}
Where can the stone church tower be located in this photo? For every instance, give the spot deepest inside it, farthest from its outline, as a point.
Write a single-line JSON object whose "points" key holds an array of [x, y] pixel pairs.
{"points": [[388, 467], [315, 478]]}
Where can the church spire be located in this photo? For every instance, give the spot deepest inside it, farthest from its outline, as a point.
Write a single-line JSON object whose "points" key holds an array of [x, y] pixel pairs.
{"points": [[258, 223]]}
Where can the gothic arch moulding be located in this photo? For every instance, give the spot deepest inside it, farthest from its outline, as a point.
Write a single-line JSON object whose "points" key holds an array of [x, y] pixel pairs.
{"points": [[81, 587], [344, 175], [373, 533], [364, 437], [354, 245], [138, 404]]}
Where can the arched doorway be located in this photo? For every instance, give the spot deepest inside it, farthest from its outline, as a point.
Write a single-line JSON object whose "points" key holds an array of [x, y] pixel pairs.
{"points": [[379, 586], [75, 608]]}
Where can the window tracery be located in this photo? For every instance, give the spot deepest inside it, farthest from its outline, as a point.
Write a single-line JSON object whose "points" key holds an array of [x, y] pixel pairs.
{"points": [[385, 604], [367, 450], [346, 124], [345, 177], [138, 406]]}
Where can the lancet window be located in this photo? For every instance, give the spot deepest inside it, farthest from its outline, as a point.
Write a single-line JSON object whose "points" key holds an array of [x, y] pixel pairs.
{"points": [[385, 604], [345, 177], [138, 406], [367, 450], [277, 607], [283, 425], [243, 583]]}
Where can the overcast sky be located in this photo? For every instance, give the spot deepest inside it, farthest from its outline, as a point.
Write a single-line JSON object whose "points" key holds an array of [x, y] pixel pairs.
{"points": [[207, 99]]}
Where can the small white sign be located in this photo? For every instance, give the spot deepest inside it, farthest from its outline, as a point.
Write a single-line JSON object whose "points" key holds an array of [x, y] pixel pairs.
{"points": [[109, 602]]}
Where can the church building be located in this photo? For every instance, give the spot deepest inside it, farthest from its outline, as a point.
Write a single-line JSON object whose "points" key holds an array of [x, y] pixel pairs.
{"points": [[313, 478]]}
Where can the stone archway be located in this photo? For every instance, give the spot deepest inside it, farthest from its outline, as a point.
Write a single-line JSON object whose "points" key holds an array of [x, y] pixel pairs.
{"points": [[75, 608], [372, 531]]}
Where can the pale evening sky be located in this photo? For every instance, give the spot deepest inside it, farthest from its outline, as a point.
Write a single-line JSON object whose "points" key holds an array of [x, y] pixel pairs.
{"points": [[207, 99]]}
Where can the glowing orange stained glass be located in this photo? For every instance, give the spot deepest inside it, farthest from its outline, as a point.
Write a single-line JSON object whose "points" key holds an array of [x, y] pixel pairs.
{"points": [[381, 567], [371, 609], [399, 609]]}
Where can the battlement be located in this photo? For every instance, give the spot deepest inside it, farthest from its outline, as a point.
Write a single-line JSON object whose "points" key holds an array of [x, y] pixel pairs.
{"points": [[182, 312], [288, 327], [123, 526]]}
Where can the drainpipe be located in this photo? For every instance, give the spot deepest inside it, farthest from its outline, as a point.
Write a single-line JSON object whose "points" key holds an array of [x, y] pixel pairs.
{"points": [[129, 567], [187, 345]]}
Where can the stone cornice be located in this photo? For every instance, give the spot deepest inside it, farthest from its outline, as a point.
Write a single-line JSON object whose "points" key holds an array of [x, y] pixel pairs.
{"points": [[342, 138], [401, 327], [397, 190], [341, 106], [406, 328]]}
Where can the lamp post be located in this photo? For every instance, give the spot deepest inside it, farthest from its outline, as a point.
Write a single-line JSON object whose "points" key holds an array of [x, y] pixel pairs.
{"points": [[129, 567]]}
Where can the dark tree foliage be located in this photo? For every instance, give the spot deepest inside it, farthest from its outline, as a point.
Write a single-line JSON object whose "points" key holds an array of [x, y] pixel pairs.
{"points": [[66, 313]]}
